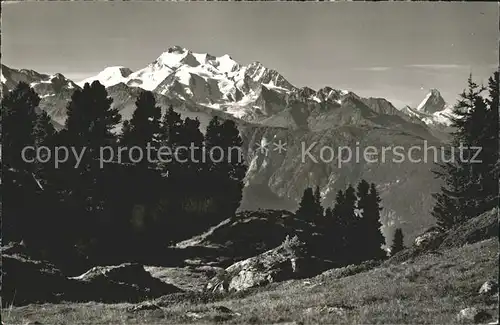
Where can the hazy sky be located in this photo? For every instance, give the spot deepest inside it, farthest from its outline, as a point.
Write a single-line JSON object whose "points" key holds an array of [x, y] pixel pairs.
{"points": [[396, 50]]}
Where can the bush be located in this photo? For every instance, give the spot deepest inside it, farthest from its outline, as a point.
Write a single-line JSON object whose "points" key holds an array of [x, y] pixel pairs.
{"points": [[294, 246]]}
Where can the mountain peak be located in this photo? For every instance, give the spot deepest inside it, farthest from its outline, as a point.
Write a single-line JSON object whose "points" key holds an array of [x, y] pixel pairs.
{"points": [[110, 76], [176, 49], [432, 103]]}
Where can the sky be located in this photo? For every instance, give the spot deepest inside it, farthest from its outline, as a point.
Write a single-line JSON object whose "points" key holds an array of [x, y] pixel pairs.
{"points": [[395, 50]]}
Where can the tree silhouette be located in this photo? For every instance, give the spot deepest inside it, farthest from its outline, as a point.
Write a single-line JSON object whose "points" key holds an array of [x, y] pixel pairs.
{"points": [[470, 188], [398, 242], [89, 125], [307, 206], [19, 188]]}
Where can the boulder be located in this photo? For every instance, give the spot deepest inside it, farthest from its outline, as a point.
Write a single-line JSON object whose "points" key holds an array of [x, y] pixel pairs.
{"points": [[244, 235], [473, 315], [213, 314], [279, 264], [26, 281], [430, 239], [489, 288], [125, 282]]}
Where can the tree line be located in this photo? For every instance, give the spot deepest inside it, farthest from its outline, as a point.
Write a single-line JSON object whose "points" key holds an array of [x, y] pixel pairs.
{"points": [[135, 207], [351, 228]]}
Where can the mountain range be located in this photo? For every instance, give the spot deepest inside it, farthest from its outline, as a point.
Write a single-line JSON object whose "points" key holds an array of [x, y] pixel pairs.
{"points": [[267, 109]]}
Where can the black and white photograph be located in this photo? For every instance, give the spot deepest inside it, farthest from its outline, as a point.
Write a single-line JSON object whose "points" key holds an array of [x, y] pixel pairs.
{"points": [[249, 162]]}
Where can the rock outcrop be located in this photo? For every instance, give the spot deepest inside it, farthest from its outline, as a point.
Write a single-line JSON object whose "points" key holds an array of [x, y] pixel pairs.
{"points": [[26, 281], [287, 261], [126, 282]]}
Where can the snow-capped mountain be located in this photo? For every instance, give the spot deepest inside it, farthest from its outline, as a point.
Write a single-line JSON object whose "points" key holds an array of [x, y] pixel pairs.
{"points": [[433, 110], [250, 92], [215, 82], [110, 76]]}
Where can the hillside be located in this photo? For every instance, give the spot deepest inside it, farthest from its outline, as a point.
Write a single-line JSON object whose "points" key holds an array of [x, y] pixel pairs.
{"points": [[433, 288]]}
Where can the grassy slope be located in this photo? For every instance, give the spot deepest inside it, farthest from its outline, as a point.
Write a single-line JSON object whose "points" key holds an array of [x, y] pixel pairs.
{"points": [[429, 289]]}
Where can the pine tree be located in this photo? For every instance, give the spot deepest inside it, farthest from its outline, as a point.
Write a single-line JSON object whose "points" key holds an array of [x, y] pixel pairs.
{"points": [[371, 223], [89, 125], [19, 188], [44, 135], [362, 225], [349, 222], [170, 137], [18, 120], [192, 177], [144, 127], [336, 229], [307, 206], [319, 214], [226, 174], [398, 242], [490, 145], [470, 188]]}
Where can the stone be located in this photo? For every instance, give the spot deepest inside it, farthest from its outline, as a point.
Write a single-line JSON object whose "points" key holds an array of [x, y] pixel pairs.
{"points": [[26, 281], [338, 311], [143, 306], [276, 265], [473, 315], [128, 282], [489, 287], [429, 238]]}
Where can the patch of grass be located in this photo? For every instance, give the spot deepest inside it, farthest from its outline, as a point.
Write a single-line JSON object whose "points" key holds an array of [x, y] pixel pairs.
{"points": [[427, 289]]}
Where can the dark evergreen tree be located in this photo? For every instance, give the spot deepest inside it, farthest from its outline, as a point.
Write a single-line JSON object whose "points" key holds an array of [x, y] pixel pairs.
{"points": [[141, 191], [319, 214], [226, 165], [336, 229], [90, 124], [18, 120], [170, 137], [362, 225], [398, 242], [490, 144], [373, 237], [349, 222], [470, 188], [307, 206], [19, 187]]}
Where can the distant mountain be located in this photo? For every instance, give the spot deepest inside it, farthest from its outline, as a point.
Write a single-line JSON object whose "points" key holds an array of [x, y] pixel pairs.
{"points": [[432, 103], [433, 110], [109, 76]]}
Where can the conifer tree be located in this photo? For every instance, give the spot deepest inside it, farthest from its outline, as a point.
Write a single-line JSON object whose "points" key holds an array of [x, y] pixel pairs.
{"points": [[319, 214], [19, 189], [362, 225], [490, 144], [349, 224], [470, 188], [89, 125], [374, 238], [144, 127], [18, 121], [307, 206], [226, 164], [170, 137], [336, 228], [44, 135], [398, 242]]}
